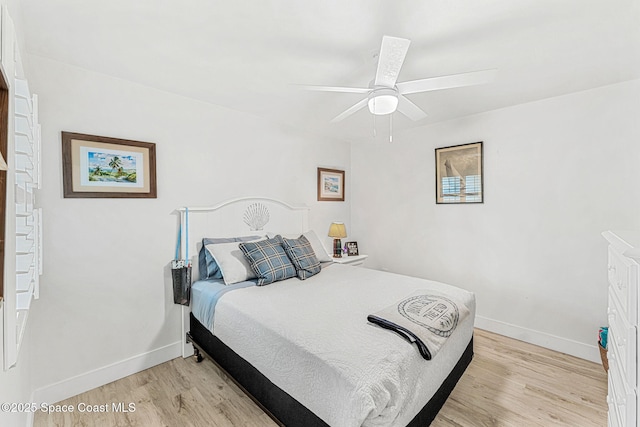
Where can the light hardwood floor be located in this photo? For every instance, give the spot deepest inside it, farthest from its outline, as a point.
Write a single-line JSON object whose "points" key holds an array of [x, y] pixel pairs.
{"points": [[509, 383]]}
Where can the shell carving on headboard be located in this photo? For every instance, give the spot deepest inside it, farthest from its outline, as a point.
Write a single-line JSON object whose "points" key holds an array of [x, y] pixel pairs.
{"points": [[256, 216]]}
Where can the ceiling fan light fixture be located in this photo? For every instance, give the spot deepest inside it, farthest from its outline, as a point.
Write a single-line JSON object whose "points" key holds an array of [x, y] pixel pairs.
{"points": [[383, 101]]}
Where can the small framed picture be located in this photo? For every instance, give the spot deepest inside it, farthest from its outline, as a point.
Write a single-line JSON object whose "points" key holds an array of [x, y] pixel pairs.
{"points": [[330, 185], [352, 248]]}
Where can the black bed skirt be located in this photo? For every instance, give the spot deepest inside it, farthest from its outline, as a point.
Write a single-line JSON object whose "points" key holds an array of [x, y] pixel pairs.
{"points": [[284, 409]]}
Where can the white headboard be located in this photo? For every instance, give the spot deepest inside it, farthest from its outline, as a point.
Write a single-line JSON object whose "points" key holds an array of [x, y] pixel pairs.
{"points": [[237, 217]]}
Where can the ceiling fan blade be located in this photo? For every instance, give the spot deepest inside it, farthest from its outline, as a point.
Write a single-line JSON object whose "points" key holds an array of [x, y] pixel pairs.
{"points": [[446, 82], [392, 54], [349, 111], [410, 109], [335, 89]]}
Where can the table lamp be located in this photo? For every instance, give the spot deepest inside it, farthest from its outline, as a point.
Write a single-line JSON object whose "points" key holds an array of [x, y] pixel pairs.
{"points": [[337, 230]]}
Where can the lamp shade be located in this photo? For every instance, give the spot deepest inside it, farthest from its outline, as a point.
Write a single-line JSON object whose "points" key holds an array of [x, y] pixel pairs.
{"points": [[337, 230], [3, 164]]}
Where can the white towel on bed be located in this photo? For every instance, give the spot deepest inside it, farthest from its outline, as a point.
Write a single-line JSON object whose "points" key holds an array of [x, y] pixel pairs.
{"points": [[422, 318]]}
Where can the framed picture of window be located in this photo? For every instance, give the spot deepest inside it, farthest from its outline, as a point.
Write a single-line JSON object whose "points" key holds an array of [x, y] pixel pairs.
{"points": [[459, 174], [330, 185], [98, 166]]}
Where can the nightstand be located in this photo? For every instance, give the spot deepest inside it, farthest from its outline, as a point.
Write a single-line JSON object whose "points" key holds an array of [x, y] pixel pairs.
{"points": [[354, 260]]}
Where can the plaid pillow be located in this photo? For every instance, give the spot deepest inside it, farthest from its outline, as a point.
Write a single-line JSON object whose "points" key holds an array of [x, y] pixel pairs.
{"points": [[301, 254], [269, 260]]}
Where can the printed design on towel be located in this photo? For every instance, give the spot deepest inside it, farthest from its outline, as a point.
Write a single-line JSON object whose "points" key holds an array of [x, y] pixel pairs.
{"points": [[426, 320], [438, 314]]}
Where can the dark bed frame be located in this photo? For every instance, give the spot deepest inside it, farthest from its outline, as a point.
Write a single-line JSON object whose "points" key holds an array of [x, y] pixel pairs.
{"points": [[284, 409]]}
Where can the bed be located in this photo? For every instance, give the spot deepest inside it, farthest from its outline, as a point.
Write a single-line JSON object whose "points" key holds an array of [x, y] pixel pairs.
{"points": [[303, 349]]}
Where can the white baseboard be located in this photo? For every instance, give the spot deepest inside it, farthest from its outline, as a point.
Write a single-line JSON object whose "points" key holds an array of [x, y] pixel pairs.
{"points": [[84, 382], [563, 345]]}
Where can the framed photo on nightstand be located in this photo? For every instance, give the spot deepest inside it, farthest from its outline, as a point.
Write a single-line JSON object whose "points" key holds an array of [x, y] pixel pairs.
{"points": [[352, 248]]}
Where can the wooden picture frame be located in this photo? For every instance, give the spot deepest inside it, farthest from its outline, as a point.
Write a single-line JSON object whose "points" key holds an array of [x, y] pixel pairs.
{"points": [[330, 185], [460, 174], [352, 248], [98, 166]]}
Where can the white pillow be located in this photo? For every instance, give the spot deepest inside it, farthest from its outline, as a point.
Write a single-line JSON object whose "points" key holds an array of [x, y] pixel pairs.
{"points": [[316, 244], [234, 265]]}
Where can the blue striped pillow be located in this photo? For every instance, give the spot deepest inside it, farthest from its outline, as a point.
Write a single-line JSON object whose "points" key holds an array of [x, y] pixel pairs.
{"points": [[301, 254], [269, 260]]}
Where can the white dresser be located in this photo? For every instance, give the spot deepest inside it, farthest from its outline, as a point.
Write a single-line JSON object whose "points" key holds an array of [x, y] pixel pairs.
{"points": [[623, 345]]}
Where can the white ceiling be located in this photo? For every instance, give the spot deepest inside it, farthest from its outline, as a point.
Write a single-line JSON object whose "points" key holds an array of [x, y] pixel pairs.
{"points": [[249, 55]]}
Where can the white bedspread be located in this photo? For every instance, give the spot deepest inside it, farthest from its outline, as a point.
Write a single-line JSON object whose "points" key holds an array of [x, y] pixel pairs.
{"points": [[311, 338]]}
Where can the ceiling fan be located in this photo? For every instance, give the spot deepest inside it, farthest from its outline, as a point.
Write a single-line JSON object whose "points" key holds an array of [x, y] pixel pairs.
{"points": [[385, 95]]}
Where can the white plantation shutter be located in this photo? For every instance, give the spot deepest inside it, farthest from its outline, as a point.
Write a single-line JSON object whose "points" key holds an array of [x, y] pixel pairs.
{"points": [[23, 231], [28, 217]]}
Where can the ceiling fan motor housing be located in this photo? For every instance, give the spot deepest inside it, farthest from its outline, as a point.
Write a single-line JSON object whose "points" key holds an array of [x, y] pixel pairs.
{"points": [[383, 100]]}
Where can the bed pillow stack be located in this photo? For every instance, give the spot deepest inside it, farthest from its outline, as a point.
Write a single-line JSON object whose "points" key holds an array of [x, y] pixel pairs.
{"points": [[208, 266], [238, 259], [317, 246], [231, 262], [302, 256], [268, 260]]}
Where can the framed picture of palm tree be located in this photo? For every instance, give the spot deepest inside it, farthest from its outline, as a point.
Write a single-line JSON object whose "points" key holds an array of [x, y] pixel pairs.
{"points": [[98, 166]]}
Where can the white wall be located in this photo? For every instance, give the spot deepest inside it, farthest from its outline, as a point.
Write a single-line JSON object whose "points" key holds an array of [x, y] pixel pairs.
{"points": [[558, 172], [105, 295]]}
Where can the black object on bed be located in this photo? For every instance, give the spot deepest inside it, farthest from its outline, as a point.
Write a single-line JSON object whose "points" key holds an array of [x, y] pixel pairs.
{"points": [[284, 409], [403, 332]]}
